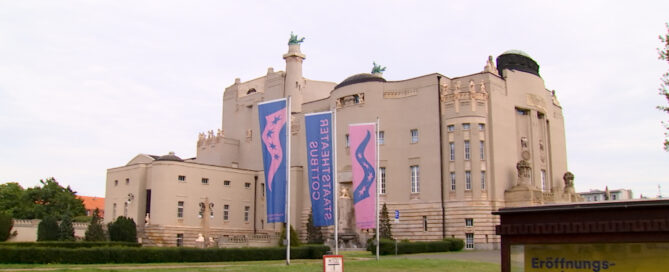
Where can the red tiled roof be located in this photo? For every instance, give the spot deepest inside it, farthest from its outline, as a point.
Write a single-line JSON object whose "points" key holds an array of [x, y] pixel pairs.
{"points": [[92, 202]]}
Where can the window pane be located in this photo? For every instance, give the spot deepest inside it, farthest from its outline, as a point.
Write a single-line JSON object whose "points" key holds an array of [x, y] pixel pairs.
{"points": [[467, 150], [468, 180], [382, 172]]}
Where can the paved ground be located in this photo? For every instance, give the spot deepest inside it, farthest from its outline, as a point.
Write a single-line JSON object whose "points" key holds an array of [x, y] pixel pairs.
{"points": [[489, 256]]}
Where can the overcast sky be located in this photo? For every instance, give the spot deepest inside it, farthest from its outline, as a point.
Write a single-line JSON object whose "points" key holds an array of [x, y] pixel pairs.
{"points": [[87, 85]]}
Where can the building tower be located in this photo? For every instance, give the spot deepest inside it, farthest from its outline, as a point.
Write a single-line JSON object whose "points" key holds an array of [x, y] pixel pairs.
{"points": [[294, 80]]}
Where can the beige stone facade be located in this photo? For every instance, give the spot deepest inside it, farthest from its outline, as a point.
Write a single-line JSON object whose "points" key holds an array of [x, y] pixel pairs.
{"points": [[450, 155]]}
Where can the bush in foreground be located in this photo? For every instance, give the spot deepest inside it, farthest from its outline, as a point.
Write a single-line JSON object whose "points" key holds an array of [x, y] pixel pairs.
{"points": [[36, 255], [387, 247]]}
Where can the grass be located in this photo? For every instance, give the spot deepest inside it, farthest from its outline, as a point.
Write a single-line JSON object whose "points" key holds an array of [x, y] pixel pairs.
{"points": [[350, 264], [353, 261]]}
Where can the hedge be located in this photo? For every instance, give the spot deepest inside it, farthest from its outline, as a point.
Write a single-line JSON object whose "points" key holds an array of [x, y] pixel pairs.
{"points": [[42, 255], [67, 244], [387, 247]]}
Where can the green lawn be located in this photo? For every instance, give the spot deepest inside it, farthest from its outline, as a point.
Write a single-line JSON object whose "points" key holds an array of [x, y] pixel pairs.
{"points": [[353, 261]]}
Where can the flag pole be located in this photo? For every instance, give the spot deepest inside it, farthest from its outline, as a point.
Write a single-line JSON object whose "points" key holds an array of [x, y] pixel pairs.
{"points": [[378, 178], [288, 133], [335, 195]]}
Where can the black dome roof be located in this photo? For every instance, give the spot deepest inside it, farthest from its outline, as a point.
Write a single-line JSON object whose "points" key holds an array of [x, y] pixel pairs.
{"points": [[169, 157], [517, 60], [360, 78]]}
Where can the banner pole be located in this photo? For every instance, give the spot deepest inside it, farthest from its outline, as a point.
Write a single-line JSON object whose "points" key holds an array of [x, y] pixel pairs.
{"points": [[288, 133], [378, 178], [335, 195]]}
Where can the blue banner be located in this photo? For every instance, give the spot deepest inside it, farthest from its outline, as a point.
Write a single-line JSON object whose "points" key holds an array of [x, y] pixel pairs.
{"points": [[320, 161], [273, 119]]}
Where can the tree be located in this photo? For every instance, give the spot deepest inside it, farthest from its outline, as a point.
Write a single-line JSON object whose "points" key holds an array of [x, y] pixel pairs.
{"points": [[47, 230], [314, 234], [664, 86], [6, 225], [13, 200], [53, 199], [384, 224], [65, 230], [123, 229], [294, 240], [94, 232]]}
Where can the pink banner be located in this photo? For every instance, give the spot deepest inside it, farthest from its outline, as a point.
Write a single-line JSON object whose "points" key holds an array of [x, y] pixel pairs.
{"points": [[362, 141]]}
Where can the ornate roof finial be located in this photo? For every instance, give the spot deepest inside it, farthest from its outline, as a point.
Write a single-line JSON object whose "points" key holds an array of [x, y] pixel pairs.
{"points": [[378, 69], [294, 39]]}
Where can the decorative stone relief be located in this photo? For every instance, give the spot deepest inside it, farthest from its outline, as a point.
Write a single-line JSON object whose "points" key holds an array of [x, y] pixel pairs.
{"points": [[399, 94], [536, 101], [350, 100], [209, 137]]}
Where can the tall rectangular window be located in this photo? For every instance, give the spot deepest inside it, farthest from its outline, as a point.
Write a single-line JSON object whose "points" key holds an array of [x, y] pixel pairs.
{"points": [[467, 150], [414, 179], [181, 178], [452, 181], [382, 172], [424, 223], [469, 222], [451, 128], [468, 180], [414, 136], [226, 212], [451, 147], [544, 182], [180, 209], [246, 213], [114, 211], [482, 150], [247, 185], [180, 239], [382, 137], [465, 126], [125, 209], [348, 143], [482, 180], [262, 189], [469, 244], [481, 126]]}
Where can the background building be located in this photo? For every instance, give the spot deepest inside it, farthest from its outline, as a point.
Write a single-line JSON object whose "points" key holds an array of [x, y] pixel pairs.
{"points": [[452, 150], [606, 195]]}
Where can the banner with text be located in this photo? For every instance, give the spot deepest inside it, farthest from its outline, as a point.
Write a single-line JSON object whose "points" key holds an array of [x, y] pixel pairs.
{"points": [[362, 141], [595, 257], [273, 117], [320, 158]]}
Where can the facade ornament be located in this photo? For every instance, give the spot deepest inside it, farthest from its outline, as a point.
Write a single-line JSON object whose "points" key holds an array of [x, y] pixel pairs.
{"points": [[220, 133], [294, 39], [524, 170], [378, 69], [457, 86], [568, 178], [490, 66], [523, 142], [483, 90], [344, 193], [471, 86]]}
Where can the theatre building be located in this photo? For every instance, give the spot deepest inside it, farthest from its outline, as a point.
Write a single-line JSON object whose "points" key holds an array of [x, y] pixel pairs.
{"points": [[452, 151]]}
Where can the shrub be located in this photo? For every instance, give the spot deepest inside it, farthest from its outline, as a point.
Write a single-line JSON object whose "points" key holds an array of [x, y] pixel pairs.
{"points": [[68, 244], [456, 244], [94, 232], [294, 240], [65, 230], [153, 255], [6, 225], [47, 230], [405, 247], [123, 229]]}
